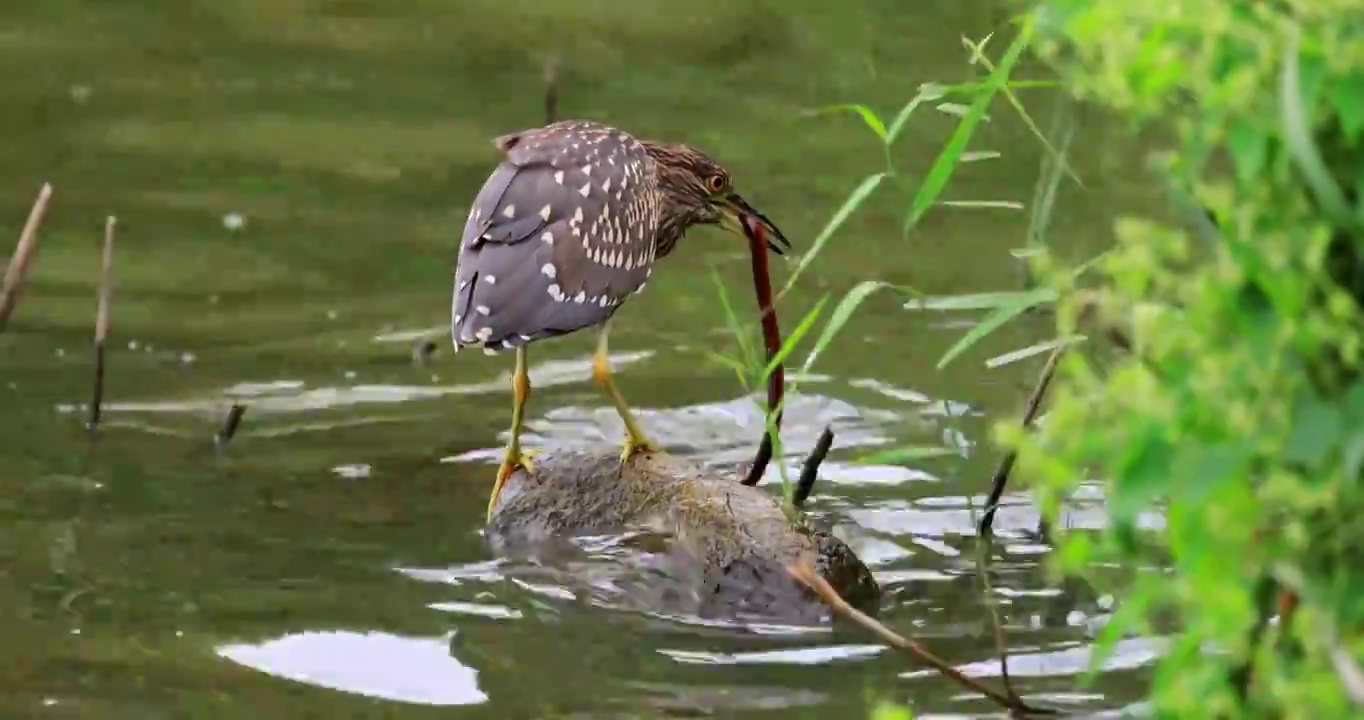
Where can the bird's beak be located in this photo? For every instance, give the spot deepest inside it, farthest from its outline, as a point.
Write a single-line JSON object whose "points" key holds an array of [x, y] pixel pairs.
{"points": [[735, 213]]}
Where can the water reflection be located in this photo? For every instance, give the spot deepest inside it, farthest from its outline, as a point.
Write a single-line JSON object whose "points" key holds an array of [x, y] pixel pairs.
{"points": [[375, 664]]}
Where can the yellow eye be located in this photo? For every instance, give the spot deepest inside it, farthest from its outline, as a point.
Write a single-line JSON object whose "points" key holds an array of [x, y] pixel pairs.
{"points": [[717, 183]]}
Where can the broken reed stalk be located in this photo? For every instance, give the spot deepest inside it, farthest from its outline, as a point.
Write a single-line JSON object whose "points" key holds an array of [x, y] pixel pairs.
{"points": [[776, 382], [809, 472], [23, 254], [102, 319], [805, 574], [1006, 464], [231, 421]]}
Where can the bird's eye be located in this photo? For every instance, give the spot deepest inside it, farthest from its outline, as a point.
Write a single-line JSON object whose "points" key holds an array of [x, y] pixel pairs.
{"points": [[717, 183]]}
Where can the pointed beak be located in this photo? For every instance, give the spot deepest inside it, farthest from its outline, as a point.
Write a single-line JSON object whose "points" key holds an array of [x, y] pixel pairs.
{"points": [[736, 216]]}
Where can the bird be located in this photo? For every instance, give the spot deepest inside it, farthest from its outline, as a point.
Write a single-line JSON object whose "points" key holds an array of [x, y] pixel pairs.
{"points": [[565, 229]]}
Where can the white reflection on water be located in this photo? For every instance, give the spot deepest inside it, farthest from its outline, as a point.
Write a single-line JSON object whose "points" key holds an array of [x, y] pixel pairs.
{"points": [[293, 396], [374, 664]]}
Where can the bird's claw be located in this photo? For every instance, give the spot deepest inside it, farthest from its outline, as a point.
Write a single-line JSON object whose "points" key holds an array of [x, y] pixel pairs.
{"points": [[634, 446], [513, 460]]}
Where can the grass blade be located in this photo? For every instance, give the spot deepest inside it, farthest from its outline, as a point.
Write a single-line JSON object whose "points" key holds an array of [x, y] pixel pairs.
{"points": [[978, 301], [858, 196], [793, 339], [842, 313], [946, 161], [1000, 361], [996, 320], [867, 114]]}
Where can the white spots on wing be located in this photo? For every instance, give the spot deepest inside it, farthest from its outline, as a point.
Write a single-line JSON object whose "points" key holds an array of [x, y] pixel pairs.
{"points": [[549, 270], [585, 189], [559, 176], [544, 213], [641, 287], [484, 334], [526, 338], [463, 284], [490, 279], [587, 169], [509, 211], [577, 216], [555, 292], [458, 317], [482, 310], [603, 301], [581, 297], [606, 186]]}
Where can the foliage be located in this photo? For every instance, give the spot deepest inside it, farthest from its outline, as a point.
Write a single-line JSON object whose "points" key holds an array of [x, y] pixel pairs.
{"points": [[1235, 424], [752, 372]]}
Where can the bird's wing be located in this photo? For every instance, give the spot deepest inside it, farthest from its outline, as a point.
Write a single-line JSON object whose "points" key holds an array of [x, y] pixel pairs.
{"points": [[560, 234]]}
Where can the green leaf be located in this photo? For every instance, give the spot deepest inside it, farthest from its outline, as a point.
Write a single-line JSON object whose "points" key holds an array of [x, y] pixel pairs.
{"points": [[1348, 96], [995, 320], [842, 313], [1199, 469], [1249, 147], [1317, 430], [858, 196], [1144, 474]]}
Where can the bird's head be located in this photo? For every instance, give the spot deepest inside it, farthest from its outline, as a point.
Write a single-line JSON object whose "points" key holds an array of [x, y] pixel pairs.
{"points": [[697, 191]]}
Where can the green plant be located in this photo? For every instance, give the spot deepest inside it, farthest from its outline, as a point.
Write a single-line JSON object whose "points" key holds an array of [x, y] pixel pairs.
{"points": [[751, 369], [1237, 416]]}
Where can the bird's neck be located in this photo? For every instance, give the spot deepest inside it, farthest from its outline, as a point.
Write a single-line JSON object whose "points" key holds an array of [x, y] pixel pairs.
{"points": [[670, 230]]}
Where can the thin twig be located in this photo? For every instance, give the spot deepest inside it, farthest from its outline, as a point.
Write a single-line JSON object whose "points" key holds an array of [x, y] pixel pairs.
{"points": [[230, 422], [1006, 464], [1001, 638], [805, 573], [23, 254], [551, 90], [102, 319], [809, 472]]}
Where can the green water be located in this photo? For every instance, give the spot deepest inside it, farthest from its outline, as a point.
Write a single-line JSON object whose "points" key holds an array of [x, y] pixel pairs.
{"points": [[329, 562]]}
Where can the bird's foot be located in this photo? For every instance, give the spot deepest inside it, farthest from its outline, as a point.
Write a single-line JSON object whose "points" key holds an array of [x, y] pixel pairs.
{"points": [[515, 459], [635, 445]]}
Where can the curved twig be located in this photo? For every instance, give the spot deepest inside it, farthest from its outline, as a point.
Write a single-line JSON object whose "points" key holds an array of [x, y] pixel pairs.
{"points": [[805, 574]]}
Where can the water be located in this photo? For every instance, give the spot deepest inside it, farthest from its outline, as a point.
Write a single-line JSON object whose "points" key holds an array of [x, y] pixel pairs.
{"points": [[290, 179]]}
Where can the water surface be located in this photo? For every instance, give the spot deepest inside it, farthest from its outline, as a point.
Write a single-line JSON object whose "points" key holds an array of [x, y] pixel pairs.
{"points": [[290, 179]]}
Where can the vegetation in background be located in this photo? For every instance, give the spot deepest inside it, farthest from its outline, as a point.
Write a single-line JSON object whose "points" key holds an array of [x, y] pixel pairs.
{"points": [[1231, 435]]}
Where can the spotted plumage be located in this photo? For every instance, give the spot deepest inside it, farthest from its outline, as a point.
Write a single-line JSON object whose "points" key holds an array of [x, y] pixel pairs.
{"points": [[559, 236]]}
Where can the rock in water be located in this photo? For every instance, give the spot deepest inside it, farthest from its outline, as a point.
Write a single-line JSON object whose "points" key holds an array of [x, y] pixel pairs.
{"points": [[734, 541]]}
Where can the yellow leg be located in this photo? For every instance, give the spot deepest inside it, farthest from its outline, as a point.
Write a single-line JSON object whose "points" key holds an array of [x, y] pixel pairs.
{"points": [[515, 456], [635, 440]]}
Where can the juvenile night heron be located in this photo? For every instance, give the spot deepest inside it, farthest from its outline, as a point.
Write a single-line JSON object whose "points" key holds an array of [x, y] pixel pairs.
{"points": [[567, 228]]}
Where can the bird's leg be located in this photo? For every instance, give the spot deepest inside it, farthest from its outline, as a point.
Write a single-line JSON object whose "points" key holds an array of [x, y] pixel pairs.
{"points": [[635, 440], [515, 457]]}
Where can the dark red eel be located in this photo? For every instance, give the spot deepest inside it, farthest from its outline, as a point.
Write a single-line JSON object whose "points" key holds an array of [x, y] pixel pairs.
{"points": [[776, 382]]}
